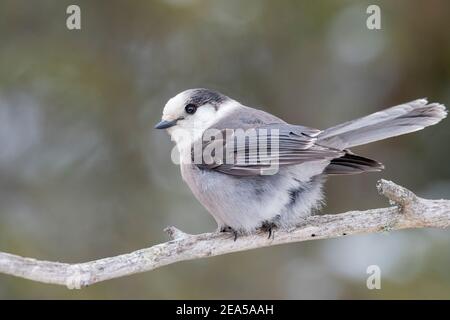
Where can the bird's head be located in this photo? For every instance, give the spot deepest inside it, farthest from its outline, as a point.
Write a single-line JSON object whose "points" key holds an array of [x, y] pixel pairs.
{"points": [[193, 111]]}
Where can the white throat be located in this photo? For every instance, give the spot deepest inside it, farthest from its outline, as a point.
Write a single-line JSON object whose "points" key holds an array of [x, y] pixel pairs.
{"points": [[191, 130]]}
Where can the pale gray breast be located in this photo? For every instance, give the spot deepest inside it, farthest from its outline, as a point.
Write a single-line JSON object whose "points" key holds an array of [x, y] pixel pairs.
{"points": [[239, 202]]}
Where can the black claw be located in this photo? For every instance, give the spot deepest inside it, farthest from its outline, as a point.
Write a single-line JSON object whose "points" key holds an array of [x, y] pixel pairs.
{"points": [[229, 229], [270, 228], [270, 233]]}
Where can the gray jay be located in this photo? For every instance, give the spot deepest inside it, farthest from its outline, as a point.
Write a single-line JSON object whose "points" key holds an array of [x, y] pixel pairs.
{"points": [[241, 196]]}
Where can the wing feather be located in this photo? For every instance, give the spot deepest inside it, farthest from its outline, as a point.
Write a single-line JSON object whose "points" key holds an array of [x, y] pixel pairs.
{"points": [[271, 145]]}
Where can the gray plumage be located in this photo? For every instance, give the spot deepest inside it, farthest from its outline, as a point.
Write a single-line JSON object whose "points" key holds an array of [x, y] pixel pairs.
{"points": [[239, 196]]}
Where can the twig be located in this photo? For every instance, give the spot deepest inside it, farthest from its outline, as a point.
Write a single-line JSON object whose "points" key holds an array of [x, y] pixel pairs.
{"points": [[409, 211]]}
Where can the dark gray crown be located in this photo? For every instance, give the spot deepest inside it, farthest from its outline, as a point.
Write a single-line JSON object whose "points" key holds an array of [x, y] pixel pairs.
{"points": [[202, 96]]}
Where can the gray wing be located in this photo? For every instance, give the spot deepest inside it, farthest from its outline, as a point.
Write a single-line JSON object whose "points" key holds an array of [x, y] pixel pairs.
{"points": [[263, 148]]}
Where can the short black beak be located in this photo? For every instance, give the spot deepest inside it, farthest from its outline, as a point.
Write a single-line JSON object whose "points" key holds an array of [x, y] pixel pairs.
{"points": [[164, 124]]}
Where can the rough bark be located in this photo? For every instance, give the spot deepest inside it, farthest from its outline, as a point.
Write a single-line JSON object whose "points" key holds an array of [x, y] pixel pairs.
{"points": [[408, 211]]}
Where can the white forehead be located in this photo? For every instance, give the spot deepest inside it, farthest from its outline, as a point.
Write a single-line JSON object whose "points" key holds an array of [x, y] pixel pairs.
{"points": [[176, 104]]}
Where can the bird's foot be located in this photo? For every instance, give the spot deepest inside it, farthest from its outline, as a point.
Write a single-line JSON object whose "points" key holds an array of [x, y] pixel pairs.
{"points": [[269, 228], [230, 230]]}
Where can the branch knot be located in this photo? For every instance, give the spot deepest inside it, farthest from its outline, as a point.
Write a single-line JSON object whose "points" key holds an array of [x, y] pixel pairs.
{"points": [[175, 233], [398, 195]]}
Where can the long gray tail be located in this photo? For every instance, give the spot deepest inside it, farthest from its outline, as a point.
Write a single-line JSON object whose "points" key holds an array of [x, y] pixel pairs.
{"points": [[391, 122]]}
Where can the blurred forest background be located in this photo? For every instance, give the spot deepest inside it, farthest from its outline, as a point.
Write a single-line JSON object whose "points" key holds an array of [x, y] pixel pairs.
{"points": [[83, 175]]}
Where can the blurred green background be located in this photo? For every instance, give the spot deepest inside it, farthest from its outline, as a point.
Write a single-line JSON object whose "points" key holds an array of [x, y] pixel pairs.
{"points": [[83, 175]]}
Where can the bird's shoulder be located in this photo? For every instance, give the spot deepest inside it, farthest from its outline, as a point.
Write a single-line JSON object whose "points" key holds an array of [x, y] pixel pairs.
{"points": [[246, 118]]}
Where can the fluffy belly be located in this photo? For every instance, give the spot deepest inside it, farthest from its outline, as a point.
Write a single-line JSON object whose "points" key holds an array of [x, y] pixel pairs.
{"points": [[245, 203]]}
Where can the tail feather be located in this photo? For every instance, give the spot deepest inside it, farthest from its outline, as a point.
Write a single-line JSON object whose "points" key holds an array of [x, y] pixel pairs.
{"points": [[391, 122], [352, 164]]}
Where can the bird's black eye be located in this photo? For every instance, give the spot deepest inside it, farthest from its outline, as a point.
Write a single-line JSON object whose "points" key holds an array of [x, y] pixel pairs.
{"points": [[190, 108]]}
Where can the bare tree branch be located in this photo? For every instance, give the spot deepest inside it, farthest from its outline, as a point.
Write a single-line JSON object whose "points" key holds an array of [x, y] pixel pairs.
{"points": [[409, 211]]}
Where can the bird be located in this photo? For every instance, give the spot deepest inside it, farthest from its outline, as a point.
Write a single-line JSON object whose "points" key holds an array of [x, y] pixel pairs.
{"points": [[246, 197]]}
